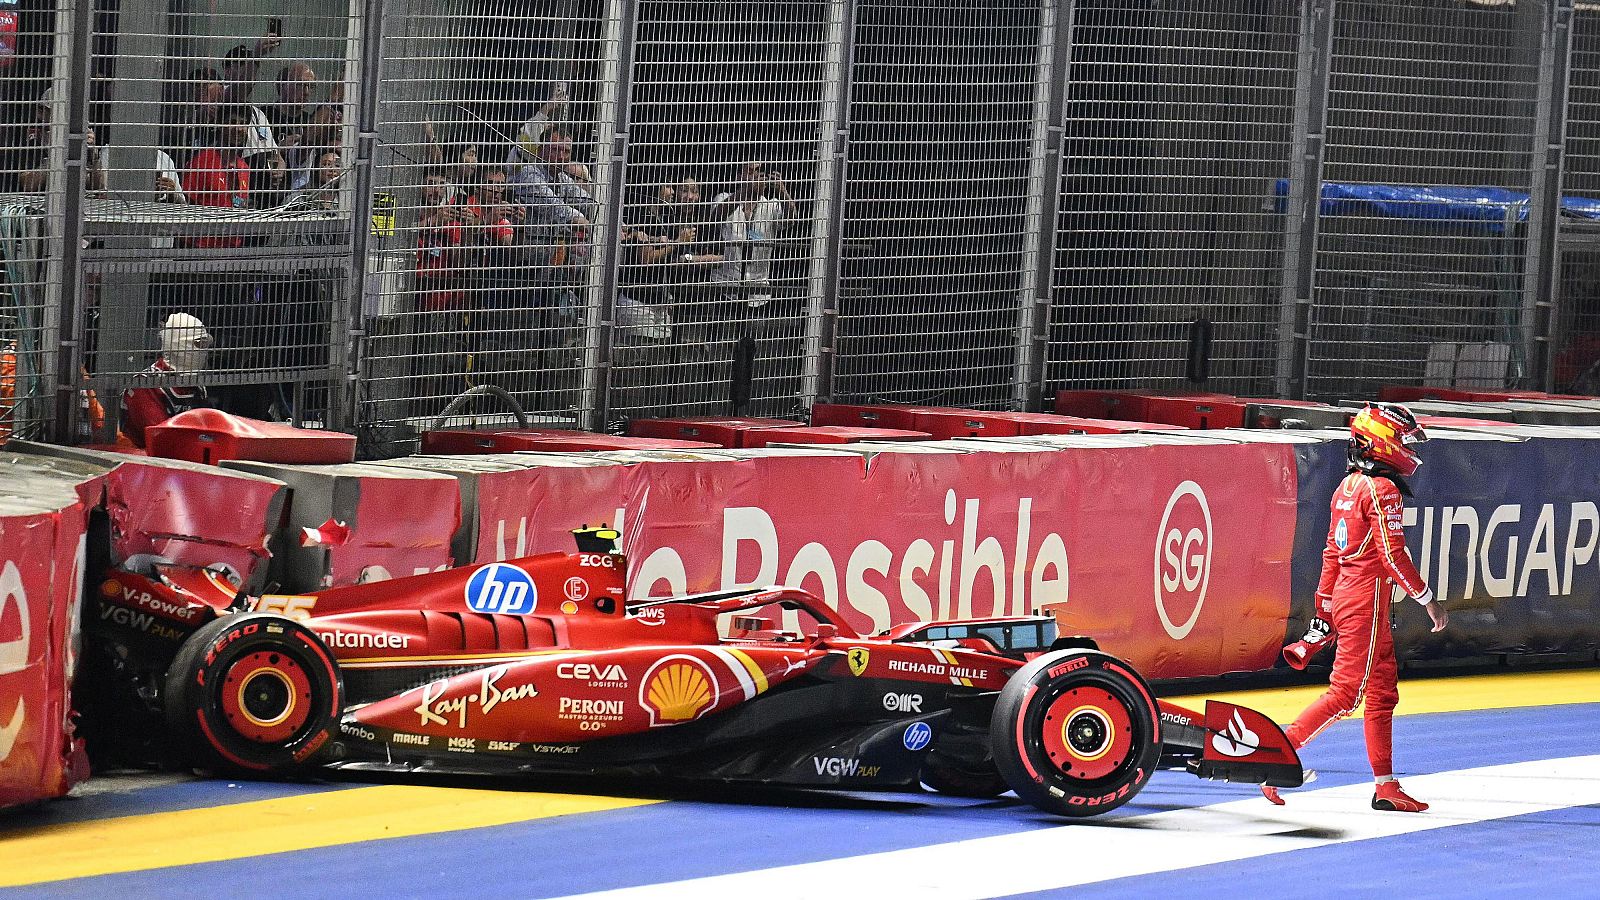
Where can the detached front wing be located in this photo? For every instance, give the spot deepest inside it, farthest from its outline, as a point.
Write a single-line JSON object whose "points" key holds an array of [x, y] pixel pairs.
{"points": [[1231, 743]]}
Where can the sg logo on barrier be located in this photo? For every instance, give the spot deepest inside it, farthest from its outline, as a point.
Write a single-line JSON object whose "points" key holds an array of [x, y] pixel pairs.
{"points": [[1183, 556]]}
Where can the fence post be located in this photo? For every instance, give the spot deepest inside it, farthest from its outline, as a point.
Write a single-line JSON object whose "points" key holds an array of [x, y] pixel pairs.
{"points": [[616, 94], [347, 350], [1303, 203], [1541, 269], [1032, 347], [827, 242], [64, 215]]}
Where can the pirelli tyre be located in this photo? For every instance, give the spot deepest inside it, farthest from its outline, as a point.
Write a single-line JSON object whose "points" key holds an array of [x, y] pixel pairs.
{"points": [[254, 693], [1076, 732]]}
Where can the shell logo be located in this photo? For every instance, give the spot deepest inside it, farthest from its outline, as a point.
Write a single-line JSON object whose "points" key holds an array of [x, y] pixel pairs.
{"points": [[677, 689]]}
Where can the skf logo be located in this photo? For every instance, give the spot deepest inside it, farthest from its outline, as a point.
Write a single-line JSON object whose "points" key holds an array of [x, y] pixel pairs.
{"points": [[1183, 557], [858, 658], [677, 688]]}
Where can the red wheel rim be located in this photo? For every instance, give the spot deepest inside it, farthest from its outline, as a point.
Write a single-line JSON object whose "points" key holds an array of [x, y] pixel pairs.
{"points": [[1087, 733], [266, 697]]}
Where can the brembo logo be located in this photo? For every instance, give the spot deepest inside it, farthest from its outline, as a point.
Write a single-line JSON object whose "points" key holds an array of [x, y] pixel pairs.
{"points": [[1183, 557]]}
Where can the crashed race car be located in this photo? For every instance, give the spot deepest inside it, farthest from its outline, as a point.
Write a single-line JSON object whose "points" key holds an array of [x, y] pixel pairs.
{"points": [[541, 665]]}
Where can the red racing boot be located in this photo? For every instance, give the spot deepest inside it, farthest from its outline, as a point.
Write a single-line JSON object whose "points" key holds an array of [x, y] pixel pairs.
{"points": [[1271, 793], [1390, 798]]}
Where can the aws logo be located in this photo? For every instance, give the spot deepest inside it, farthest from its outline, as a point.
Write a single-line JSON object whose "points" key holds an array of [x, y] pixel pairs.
{"points": [[1183, 557]]}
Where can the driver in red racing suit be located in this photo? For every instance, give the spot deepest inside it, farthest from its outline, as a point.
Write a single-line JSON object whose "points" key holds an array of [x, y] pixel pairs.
{"points": [[1365, 553]]}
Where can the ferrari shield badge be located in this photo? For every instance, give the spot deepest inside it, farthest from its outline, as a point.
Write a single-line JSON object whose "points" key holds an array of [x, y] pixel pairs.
{"points": [[858, 657]]}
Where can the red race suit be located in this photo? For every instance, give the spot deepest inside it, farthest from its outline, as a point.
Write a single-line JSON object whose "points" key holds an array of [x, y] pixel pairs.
{"points": [[1365, 554], [146, 406]]}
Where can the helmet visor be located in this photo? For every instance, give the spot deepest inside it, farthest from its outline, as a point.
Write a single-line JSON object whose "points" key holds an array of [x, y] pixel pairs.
{"points": [[1414, 436]]}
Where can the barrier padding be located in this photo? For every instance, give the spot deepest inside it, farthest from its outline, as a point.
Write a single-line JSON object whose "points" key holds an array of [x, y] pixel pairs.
{"points": [[182, 512], [211, 435], [1125, 405], [827, 434], [401, 522], [722, 431], [44, 516], [493, 441]]}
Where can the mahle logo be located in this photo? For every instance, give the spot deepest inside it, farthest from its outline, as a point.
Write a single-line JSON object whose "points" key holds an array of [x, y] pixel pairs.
{"points": [[1183, 557]]}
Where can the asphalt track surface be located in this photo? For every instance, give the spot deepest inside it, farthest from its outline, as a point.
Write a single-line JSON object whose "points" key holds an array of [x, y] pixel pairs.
{"points": [[1511, 763]]}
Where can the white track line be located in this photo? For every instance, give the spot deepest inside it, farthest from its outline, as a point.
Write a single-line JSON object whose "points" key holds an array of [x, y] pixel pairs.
{"points": [[1098, 850]]}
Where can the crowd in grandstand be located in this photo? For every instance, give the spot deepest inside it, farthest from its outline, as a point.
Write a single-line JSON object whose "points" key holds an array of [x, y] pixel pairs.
{"points": [[501, 226]]}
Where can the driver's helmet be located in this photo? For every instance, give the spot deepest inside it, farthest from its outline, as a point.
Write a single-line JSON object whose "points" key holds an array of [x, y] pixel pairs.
{"points": [[1381, 438]]}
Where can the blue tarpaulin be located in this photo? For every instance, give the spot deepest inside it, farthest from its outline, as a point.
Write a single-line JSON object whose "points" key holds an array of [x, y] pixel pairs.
{"points": [[1489, 207]]}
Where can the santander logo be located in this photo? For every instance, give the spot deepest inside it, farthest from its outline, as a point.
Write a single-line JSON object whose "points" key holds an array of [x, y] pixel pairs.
{"points": [[1183, 557]]}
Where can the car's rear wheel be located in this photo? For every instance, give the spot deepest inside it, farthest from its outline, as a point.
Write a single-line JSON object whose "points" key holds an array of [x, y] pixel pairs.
{"points": [[254, 693], [1076, 732]]}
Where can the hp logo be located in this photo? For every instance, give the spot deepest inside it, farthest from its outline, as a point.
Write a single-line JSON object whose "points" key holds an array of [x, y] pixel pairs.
{"points": [[501, 588], [917, 736]]}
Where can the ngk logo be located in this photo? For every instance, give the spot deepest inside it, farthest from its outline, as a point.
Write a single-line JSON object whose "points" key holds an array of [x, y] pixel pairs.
{"points": [[1183, 558]]}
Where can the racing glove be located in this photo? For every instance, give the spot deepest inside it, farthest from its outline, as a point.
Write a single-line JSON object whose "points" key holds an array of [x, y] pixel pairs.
{"points": [[1299, 653]]}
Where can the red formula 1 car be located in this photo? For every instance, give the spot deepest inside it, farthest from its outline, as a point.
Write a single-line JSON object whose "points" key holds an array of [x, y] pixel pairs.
{"points": [[540, 664]]}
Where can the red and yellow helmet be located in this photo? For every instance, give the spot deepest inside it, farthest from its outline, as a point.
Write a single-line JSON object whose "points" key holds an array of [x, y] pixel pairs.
{"points": [[1382, 434]]}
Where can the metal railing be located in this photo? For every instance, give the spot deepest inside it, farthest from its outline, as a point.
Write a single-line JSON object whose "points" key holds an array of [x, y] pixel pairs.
{"points": [[616, 208]]}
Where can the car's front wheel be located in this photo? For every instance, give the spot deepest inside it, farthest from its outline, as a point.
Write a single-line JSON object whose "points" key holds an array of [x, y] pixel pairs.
{"points": [[1076, 732], [254, 693]]}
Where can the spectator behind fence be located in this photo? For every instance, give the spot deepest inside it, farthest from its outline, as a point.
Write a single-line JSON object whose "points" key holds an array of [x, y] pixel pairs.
{"points": [[28, 165], [440, 237], [293, 120], [240, 66], [546, 187], [219, 175], [193, 126], [750, 217], [322, 191], [490, 208]]}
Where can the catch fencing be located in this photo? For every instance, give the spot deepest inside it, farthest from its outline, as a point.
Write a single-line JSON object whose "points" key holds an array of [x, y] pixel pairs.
{"points": [[607, 209]]}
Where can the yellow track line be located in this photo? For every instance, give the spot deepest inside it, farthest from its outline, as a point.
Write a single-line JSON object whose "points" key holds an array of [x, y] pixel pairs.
{"points": [[1462, 693], [325, 819]]}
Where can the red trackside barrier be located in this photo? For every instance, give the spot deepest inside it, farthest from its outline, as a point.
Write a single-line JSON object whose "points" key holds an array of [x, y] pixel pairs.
{"points": [[718, 430], [828, 434], [211, 435]]}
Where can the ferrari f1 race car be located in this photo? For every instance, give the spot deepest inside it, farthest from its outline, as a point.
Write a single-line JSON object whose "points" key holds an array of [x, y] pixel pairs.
{"points": [[541, 665]]}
